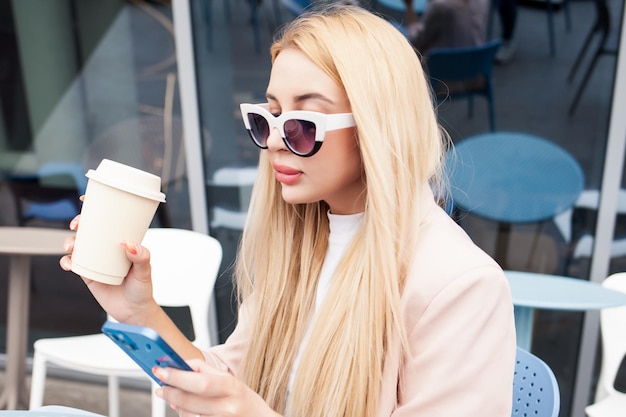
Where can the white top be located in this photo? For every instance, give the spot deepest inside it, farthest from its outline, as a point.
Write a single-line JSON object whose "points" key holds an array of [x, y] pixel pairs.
{"points": [[342, 230]]}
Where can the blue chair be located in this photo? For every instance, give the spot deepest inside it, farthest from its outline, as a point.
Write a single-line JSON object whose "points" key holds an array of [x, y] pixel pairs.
{"points": [[50, 195], [54, 410], [296, 7], [419, 6], [535, 388], [459, 73]]}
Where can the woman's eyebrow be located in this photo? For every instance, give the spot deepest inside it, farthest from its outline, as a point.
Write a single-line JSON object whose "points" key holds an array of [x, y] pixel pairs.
{"points": [[316, 96], [304, 97]]}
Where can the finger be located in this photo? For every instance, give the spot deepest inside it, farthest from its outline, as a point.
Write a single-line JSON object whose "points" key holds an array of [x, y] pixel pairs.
{"points": [[74, 223], [66, 263], [183, 402], [177, 378], [140, 257], [200, 365], [181, 406], [205, 379], [68, 244]]}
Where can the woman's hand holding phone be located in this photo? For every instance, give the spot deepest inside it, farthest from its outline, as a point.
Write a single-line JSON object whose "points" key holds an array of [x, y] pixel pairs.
{"points": [[209, 392], [204, 391]]}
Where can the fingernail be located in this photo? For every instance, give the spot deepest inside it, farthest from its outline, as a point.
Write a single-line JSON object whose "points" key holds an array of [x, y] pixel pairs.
{"points": [[66, 246], [73, 224], [65, 264], [133, 248], [160, 373], [172, 406]]}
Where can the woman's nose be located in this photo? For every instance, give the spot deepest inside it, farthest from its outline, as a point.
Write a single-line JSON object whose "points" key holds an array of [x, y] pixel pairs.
{"points": [[275, 141]]}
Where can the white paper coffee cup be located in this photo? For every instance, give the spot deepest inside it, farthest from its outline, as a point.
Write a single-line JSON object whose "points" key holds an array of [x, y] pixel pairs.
{"points": [[120, 202]]}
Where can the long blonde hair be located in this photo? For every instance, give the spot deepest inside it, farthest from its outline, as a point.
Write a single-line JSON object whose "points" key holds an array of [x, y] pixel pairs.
{"points": [[283, 245]]}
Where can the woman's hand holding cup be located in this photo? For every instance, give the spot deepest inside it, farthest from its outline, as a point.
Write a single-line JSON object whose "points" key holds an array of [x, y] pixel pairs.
{"points": [[130, 301], [119, 204]]}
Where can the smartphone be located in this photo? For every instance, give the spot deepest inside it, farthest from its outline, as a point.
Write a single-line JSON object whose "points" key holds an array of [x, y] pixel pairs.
{"points": [[144, 346]]}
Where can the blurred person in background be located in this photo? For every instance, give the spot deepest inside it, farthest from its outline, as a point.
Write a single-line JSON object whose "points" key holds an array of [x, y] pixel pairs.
{"points": [[447, 24], [507, 10]]}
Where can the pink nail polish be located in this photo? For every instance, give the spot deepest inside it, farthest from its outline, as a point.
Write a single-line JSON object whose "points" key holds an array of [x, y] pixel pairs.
{"points": [[160, 373], [133, 248]]}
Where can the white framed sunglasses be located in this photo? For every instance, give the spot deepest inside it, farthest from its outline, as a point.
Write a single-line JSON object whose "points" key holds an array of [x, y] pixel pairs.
{"points": [[302, 131]]}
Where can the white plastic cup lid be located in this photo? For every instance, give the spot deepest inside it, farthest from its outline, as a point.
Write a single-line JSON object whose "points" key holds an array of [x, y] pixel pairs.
{"points": [[127, 178]]}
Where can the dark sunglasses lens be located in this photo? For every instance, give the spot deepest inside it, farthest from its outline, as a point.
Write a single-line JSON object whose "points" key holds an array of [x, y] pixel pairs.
{"points": [[259, 129], [300, 135]]}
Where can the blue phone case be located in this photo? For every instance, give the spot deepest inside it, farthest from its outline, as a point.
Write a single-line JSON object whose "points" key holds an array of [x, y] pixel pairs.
{"points": [[144, 346]]}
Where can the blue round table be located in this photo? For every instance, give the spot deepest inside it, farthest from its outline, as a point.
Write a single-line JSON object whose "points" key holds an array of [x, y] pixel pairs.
{"points": [[512, 177], [531, 290], [50, 411]]}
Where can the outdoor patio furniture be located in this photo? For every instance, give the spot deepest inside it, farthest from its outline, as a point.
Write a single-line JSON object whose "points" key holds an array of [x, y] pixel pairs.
{"points": [[463, 73], [21, 244], [535, 388], [609, 402]]}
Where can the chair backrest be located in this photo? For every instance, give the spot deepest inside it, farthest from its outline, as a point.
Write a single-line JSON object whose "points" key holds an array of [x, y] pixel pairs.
{"points": [[613, 330], [52, 173], [583, 240], [296, 7], [51, 194], [535, 389], [185, 265], [459, 64], [229, 193]]}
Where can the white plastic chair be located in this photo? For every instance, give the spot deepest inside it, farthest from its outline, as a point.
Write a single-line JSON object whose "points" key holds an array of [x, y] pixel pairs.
{"points": [[185, 265], [610, 402], [239, 179], [590, 200]]}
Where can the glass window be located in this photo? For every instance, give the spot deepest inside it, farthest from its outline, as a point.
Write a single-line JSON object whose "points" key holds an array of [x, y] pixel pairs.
{"points": [[87, 80], [83, 80]]}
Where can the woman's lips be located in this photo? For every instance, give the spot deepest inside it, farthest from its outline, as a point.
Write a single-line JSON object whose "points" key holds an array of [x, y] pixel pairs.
{"points": [[286, 175]]}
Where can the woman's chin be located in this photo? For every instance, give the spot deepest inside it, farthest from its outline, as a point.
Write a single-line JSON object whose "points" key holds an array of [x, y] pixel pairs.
{"points": [[292, 196]]}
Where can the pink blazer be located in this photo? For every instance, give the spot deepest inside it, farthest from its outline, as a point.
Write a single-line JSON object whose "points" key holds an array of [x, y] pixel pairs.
{"points": [[459, 320]]}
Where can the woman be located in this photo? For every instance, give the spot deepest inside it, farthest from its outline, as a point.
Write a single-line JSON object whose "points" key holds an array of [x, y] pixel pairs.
{"points": [[360, 296], [448, 24]]}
